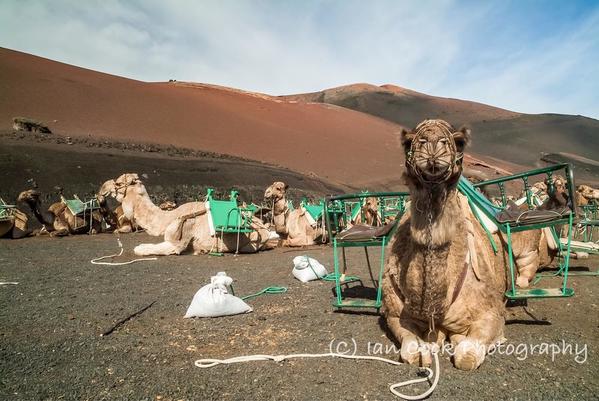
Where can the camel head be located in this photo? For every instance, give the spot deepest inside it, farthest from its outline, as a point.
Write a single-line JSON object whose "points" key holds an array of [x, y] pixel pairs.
{"points": [[434, 152], [539, 187], [587, 192], [276, 191], [118, 188], [557, 189], [29, 196]]}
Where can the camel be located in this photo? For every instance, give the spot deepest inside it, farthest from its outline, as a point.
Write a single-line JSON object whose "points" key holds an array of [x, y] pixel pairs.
{"points": [[137, 206], [58, 219], [442, 279], [13, 222], [116, 218], [586, 194], [186, 224], [369, 213], [293, 226]]}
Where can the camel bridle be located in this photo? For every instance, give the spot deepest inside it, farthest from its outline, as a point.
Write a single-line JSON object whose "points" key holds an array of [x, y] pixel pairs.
{"points": [[123, 186], [456, 157]]}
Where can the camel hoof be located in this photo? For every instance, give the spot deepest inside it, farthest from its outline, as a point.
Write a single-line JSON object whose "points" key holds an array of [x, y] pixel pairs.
{"points": [[410, 352], [469, 355], [522, 282]]}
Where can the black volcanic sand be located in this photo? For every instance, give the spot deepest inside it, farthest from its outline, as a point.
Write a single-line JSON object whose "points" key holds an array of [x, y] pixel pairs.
{"points": [[51, 348], [80, 168]]}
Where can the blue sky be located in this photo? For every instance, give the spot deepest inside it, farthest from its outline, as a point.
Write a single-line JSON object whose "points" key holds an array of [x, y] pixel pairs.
{"points": [[527, 56]]}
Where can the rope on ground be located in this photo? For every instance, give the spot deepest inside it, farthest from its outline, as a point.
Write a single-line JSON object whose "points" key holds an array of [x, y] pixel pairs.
{"points": [[434, 375], [96, 261], [267, 290]]}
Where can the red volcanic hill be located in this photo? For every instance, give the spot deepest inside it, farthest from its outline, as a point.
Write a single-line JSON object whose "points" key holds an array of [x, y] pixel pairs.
{"points": [[518, 138], [332, 142], [346, 135]]}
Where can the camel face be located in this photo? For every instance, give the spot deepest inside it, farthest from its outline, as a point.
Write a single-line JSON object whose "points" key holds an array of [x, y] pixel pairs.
{"points": [[276, 191], [107, 189], [588, 192], [434, 150], [539, 187], [31, 195], [118, 188]]}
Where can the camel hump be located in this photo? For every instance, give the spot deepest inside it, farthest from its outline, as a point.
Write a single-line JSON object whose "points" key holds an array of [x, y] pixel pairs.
{"points": [[57, 208]]}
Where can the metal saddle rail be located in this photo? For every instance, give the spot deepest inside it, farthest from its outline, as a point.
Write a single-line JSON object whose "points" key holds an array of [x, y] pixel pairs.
{"points": [[339, 211], [509, 221]]}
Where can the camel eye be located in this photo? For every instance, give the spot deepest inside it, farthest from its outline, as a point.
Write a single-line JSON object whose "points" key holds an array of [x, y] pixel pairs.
{"points": [[443, 141]]}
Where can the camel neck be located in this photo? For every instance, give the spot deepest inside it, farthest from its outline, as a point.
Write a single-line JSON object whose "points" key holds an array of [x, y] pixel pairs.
{"points": [[280, 206], [137, 205], [435, 212], [46, 218], [279, 215]]}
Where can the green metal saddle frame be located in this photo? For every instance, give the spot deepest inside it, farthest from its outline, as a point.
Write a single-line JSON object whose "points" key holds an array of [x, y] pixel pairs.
{"points": [[6, 211], [491, 211], [339, 211], [589, 221], [82, 209], [315, 210], [227, 217]]}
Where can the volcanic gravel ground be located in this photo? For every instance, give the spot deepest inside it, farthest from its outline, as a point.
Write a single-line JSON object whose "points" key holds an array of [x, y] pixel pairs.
{"points": [[51, 321]]}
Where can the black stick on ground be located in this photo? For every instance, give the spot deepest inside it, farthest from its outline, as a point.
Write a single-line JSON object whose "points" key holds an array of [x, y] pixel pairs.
{"points": [[125, 320]]}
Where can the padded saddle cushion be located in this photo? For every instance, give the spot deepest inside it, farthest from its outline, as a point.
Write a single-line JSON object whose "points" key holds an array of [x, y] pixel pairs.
{"points": [[512, 214], [364, 232]]}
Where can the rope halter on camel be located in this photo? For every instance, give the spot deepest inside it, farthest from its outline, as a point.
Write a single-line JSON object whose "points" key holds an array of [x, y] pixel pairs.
{"points": [[456, 157]]}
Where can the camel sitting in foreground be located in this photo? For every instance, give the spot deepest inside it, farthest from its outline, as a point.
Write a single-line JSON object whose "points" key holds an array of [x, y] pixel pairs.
{"points": [[294, 226], [57, 219], [442, 280], [186, 224]]}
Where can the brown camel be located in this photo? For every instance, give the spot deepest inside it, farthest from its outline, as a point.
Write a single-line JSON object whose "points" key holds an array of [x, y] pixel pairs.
{"points": [[58, 219], [184, 225], [293, 226], [13, 222], [369, 213], [442, 279]]}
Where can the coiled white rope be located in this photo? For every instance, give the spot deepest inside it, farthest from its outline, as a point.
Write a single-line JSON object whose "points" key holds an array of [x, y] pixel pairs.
{"points": [[96, 261], [434, 375]]}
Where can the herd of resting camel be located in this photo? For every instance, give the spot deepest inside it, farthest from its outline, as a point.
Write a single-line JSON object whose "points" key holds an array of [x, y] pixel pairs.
{"points": [[442, 280]]}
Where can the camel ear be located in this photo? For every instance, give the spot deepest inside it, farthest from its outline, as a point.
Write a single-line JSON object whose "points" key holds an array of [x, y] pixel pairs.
{"points": [[286, 187], [462, 138], [406, 138]]}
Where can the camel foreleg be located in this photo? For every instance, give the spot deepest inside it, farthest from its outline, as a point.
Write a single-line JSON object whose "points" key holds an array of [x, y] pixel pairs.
{"points": [[471, 349]]}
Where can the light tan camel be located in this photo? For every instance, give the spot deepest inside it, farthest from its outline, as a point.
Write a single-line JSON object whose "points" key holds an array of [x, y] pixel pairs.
{"points": [[184, 225], [137, 205], [442, 279], [586, 194], [58, 219], [293, 226]]}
